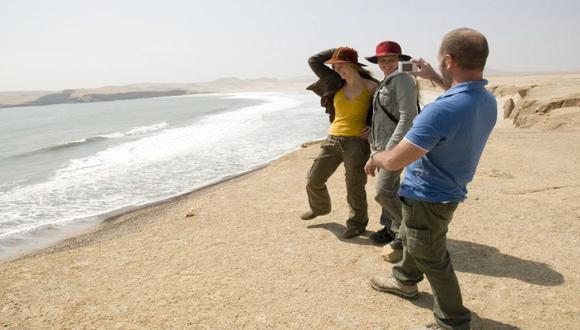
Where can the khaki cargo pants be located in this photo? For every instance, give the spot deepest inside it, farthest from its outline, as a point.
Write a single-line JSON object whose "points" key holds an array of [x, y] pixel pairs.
{"points": [[354, 153], [424, 235]]}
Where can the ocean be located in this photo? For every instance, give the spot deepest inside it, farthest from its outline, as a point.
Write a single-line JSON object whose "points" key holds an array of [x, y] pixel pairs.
{"points": [[70, 165]]}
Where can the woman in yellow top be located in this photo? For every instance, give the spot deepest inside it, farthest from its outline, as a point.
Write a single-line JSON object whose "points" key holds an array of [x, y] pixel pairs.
{"points": [[346, 92]]}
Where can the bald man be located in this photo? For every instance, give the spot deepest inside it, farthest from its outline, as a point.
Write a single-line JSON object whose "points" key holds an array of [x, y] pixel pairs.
{"points": [[440, 153]]}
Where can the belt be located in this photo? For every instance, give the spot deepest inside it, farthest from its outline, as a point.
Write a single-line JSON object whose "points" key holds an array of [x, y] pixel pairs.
{"points": [[342, 138]]}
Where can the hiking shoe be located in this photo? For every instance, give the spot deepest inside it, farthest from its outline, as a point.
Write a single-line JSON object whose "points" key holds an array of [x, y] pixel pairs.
{"points": [[391, 253], [382, 236], [393, 286], [430, 326], [352, 232], [309, 215]]}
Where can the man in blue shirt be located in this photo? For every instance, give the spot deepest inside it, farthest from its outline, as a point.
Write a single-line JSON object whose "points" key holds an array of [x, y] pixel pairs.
{"points": [[441, 153]]}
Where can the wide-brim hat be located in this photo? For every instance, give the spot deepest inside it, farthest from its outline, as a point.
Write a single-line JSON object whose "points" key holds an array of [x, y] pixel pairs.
{"points": [[344, 55], [388, 48]]}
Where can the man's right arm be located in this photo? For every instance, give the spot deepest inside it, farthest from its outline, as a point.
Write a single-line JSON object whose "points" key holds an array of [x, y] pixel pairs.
{"points": [[426, 71]]}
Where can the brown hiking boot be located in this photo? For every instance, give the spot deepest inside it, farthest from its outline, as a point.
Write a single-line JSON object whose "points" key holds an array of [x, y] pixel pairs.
{"points": [[391, 254], [309, 215], [393, 286]]}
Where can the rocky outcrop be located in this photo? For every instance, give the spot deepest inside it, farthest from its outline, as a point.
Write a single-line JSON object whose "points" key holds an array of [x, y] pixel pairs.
{"points": [[508, 107], [536, 106], [55, 98]]}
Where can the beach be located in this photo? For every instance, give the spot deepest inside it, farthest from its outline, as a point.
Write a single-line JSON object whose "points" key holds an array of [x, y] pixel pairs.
{"points": [[237, 255]]}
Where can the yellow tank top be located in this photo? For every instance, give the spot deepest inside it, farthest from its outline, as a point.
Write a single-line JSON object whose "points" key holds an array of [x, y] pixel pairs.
{"points": [[350, 115]]}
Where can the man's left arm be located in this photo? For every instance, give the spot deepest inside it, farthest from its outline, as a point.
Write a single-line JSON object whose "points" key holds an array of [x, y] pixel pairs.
{"points": [[392, 160]]}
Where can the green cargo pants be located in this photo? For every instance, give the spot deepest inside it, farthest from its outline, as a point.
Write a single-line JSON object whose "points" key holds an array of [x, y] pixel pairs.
{"points": [[388, 184], [354, 152], [424, 235]]}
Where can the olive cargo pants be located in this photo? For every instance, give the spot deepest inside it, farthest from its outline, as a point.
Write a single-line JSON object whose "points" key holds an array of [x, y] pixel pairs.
{"points": [[388, 184], [354, 153], [424, 235]]}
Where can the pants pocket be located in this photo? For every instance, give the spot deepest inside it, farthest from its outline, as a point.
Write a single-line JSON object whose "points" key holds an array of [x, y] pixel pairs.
{"points": [[405, 201], [327, 143], [309, 174], [418, 241]]}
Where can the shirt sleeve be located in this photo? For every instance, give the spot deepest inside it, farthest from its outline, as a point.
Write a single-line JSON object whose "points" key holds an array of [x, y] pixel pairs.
{"points": [[429, 128], [406, 92], [316, 63]]}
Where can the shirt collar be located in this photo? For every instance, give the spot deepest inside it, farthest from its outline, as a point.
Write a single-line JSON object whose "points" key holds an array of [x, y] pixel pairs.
{"points": [[394, 73], [464, 87]]}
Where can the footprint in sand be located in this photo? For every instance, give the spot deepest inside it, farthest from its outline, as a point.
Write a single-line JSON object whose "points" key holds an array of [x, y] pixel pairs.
{"points": [[493, 173]]}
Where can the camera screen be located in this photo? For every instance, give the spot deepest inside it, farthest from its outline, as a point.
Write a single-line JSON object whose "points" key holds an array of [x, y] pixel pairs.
{"points": [[407, 67]]}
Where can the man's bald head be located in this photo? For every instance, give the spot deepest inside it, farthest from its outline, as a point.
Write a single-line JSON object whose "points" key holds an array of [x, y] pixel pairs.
{"points": [[468, 48]]}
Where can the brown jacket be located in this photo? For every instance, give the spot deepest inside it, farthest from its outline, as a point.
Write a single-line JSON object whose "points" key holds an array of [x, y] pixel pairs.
{"points": [[329, 82]]}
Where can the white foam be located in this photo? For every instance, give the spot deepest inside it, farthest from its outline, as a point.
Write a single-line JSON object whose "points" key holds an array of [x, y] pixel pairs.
{"points": [[133, 173], [146, 129], [112, 135]]}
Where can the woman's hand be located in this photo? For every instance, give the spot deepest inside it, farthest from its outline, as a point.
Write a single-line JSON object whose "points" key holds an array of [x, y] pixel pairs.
{"points": [[370, 167], [365, 133]]}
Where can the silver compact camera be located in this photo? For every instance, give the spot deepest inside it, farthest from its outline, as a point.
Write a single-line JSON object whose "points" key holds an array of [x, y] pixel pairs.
{"points": [[407, 66]]}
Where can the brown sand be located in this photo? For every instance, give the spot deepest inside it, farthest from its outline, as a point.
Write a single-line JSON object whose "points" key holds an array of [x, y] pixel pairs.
{"points": [[237, 256]]}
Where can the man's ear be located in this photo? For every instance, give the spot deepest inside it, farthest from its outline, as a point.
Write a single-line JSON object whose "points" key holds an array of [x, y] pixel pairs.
{"points": [[449, 61]]}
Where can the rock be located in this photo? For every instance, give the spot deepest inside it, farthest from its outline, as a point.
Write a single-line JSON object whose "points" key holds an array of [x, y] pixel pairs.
{"points": [[508, 107]]}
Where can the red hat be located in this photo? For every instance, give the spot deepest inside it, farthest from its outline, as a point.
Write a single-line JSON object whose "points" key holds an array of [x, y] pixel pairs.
{"points": [[388, 48], [344, 55]]}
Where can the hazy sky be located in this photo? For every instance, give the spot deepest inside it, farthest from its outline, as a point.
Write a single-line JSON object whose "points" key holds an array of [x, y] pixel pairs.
{"points": [[51, 45]]}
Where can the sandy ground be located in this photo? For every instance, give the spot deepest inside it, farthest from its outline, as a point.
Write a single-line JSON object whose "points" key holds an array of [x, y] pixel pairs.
{"points": [[237, 256]]}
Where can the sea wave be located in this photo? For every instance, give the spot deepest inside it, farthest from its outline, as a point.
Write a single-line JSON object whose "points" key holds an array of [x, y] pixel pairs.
{"points": [[153, 166], [145, 169], [135, 131]]}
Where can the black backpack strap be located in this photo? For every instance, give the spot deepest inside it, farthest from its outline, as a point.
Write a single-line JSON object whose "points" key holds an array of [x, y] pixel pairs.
{"points": [[390, 115]]}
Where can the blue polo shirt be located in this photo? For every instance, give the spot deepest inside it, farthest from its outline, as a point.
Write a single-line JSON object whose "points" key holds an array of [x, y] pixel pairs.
{"points": [[453, 130]]}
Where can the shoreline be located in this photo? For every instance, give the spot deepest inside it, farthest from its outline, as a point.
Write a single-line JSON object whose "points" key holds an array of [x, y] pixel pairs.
{"points": [[72, 232], [108, 223], [48, 238]]}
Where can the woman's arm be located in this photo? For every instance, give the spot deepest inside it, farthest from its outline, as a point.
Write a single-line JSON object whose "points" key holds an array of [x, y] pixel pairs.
{"points": [[316, 63]]}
